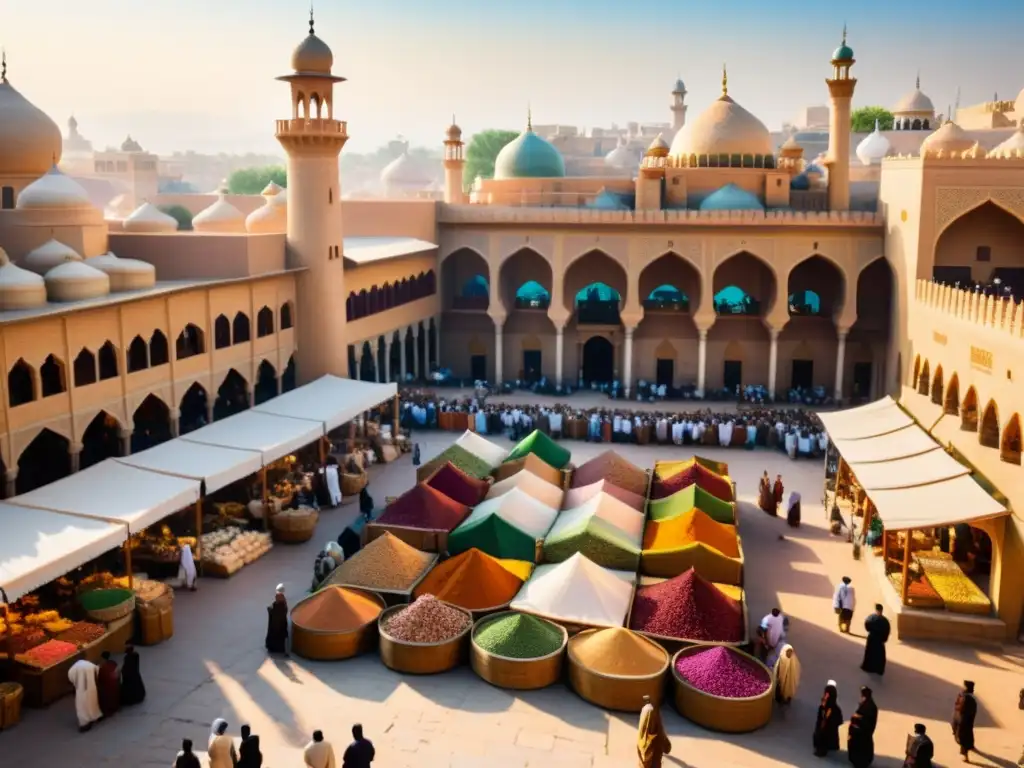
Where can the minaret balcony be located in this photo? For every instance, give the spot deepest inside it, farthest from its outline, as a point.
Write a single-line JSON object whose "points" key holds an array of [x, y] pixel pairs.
{"points": [[312, 127]]}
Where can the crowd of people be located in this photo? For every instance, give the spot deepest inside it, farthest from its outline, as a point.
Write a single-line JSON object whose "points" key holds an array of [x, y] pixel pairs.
{"points": [[222, 752], [101, 690]]}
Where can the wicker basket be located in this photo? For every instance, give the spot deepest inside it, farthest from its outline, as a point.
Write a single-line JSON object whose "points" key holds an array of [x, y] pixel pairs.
{"points": [[421, 658], [114, 612], [11, 695], [323, 645], [717, 713], [516, 674], [216, 570], [295, 529], [618, 692], [351, 485]]}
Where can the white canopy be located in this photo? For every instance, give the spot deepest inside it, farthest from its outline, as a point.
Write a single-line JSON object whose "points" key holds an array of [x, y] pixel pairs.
{"points": [[115, 492], [330, 400], [272, 436], [909, 441], [923, 469], [39, 546], [878, 418], [959, 500], [216, 467]]}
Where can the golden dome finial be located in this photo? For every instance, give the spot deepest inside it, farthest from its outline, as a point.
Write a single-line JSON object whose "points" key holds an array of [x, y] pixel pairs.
{"points": [[725, 81], [311, 17]]}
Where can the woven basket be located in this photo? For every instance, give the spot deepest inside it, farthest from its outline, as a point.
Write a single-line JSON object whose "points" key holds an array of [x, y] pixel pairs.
{"points": [[351, 485], [11, 695], [421, 658], [717, 713], [215, 570], [114, 612], [295, 529], [324, 645], [618, 692], [516, 674]]}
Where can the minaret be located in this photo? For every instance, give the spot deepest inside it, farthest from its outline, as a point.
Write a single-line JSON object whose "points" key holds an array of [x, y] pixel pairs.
{"points": [[840, 88], [313, 139], [678, 105], [454, 164]]}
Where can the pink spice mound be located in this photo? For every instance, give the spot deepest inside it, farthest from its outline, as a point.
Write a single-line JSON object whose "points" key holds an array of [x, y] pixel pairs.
{"points": [[723, 672], [427, 620], [688, 607]]}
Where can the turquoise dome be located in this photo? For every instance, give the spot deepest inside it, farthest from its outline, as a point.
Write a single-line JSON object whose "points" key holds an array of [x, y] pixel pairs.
{"points": [[528, 156], [731, 198], [843, 53], [800, 182]]}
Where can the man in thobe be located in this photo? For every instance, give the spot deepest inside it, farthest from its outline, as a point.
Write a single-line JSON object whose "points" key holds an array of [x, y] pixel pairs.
{"points": [[964, 712], [844, 602], [360, 753], [651, 741], [319, 753], [770, 633], [877, 627], [82, 676], [108, 684]]}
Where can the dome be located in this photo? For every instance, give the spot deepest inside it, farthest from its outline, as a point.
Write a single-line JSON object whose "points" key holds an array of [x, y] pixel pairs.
{"points": [[843, 53], [221, 217], [405, 171], [312, 55], [124, 274], [148, 218], [76, 281], [47, 256], [949, 138], [680, 87], [528, 156], [54, 190], [873, 147], [270, 218], [273, 189], [724, 128], [914, 102], [130, 145], [454, 133], [1013, 146], [658, 147], [30, 142], [731, 198], [622, 157], [19, 288], [1018, 104]]}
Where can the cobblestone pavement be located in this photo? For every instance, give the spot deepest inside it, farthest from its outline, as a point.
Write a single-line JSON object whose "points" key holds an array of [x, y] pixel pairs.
{"points": [[215, 666]]}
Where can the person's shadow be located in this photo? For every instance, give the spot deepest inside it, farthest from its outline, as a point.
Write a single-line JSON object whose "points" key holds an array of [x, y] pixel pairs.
{"points": [[999, 761]]}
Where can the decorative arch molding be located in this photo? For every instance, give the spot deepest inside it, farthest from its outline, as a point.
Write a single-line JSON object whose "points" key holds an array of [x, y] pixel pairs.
{"points": [[162, 393], [84, 418], [450, 250], [988, 431], [953, 202], [862, 265], [21, 441], [937, 388], [844, 269], [665, 351], [720, 259], [615, 248], [647, 250]]}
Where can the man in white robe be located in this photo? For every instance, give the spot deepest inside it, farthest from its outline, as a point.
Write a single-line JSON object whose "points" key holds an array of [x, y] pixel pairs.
{"points": [[82, 675], [319, 753]]}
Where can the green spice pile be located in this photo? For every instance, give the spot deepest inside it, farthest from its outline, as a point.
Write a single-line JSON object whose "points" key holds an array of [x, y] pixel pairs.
{"points": [[519, 636], [472, 465]]}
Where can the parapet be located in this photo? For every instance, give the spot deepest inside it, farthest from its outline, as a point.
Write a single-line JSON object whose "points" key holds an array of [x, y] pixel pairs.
{"points": [[1002, 313]]}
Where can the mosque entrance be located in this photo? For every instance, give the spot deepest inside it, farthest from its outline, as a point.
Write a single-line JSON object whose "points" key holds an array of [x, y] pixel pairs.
{"points": [[665, 372], [802, 374], [478, 367], [598, 360], [862, 380], [732, 375], [531, 365]]}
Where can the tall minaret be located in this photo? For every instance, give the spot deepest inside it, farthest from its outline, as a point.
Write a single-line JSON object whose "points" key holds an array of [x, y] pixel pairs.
{"points": [[454, 164], [313, 139], [678, 105], [840, 88]]}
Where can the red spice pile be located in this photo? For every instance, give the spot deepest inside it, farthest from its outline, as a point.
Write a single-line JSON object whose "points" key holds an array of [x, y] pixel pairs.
{"points": [[457, 485], [424, 507], [705, 479], [688, 607]]}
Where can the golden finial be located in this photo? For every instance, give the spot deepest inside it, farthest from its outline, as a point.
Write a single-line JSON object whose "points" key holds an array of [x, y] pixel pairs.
{"points": [[453, 119], [529, 117], [917, 83], [725, 81], [311, 17]]}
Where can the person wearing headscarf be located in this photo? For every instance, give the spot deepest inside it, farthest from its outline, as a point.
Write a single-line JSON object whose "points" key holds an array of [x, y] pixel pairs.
{"points": [[964, 713], [793, 510], [860, 738], [877, 627], [416, 454], [830, 717], [187, 568], [133, 690], [778, 492], [186, 758], [844, 601], [651, 741], [82, 675], [787, 674], [920, 750], [221, 749], [249, 755], [277, 623], [108, 683], [319, 753]]}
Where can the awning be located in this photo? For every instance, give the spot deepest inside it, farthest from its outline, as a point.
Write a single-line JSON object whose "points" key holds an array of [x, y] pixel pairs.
{"points": [[960, 500], [272, 436], [924, 469], [216, 467], [867, 421], [366, 250], [37, 546], [330, 400], [909, 441], [115, 492]]}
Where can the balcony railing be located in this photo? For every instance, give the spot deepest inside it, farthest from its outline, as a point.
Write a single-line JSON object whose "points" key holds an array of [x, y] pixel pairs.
{"points": [[748, 307], [316, 125]]}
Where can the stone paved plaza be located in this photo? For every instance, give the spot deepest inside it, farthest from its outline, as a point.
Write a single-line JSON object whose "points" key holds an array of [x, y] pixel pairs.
{"points": [[215, 666]]}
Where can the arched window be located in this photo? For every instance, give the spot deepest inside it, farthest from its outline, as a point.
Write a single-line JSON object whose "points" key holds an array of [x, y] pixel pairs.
{"points": [[264, 322], [190, 342], [232, 396], [598, 303], [288, 377], [969, 412], [138, 355], [733, 300], [158, 353], [374, 300], [286, 316], [1009, 446], [20, 384], [430, 283], [952, 404], [667, 297], [804, 303], [51, 377], [532, 295], [221, 332], [988, 435], [85, 368], [924, 382], [925, 125], [108, 361], [240, 329], [350, 307], [937, 388], [916, 125], [266, 383]]}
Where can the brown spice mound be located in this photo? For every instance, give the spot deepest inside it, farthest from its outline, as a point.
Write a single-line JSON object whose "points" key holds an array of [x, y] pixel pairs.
{"points": [[427, 620], [386, 562], [335, 609], [618, 651]]}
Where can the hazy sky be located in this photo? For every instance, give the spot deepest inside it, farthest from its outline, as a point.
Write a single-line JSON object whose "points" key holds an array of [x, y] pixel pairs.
{"points": [[199, 74]]}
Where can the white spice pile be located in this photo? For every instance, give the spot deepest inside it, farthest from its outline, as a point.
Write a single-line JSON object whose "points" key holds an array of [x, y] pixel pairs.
{"points": [[579, 591]]}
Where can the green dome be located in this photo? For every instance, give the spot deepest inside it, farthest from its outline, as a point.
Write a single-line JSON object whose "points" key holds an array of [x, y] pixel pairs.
{"points": [[528, 156], [731, 198], [843, 53]]}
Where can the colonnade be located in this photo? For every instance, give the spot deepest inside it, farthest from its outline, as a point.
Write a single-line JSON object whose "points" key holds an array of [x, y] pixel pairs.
{"points": [[384, 342]]}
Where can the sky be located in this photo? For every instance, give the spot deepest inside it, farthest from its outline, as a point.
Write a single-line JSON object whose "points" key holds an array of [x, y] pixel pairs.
{"points": [[196, 74]]}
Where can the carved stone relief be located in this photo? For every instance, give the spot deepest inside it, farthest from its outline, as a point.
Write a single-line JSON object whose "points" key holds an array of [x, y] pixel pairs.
{"points": [[953, 202]]}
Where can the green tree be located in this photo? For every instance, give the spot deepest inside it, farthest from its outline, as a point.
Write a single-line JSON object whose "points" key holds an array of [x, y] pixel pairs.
{"points": [[251, 181], [863, 120], [482, 150], [181, 213]]}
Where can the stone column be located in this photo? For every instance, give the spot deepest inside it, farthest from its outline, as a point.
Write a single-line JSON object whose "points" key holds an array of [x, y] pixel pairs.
{"points": [[387, 359], [627, 383], [773, 362], [209, 409], [10, 483], [840, 362], [416, 369], [702, 361], [559, 355], [75, 454], [377, 372], [126, 437], [401, 356], [437, 340], [499, 354], [358, 357], [175, 417]]}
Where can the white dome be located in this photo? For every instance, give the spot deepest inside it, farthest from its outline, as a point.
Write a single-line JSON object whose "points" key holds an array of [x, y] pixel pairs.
{"points": [[47, 256], [873, 147], [30, 142], [405, 171], [1013, 146], [271, 217], [19, 288], [272, 189], [622, 157], [54, 190], [914, 103], [724, 128], [948, 139], [124, 274], [75, 281], [148, 218], [222, 216]]}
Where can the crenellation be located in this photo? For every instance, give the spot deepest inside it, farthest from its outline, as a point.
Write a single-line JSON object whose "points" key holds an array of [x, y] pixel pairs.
{"points": [[1001, 313]]}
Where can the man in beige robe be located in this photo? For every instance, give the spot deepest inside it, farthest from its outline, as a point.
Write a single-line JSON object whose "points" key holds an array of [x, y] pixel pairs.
{"points": [[221, 749], [319, 753]]}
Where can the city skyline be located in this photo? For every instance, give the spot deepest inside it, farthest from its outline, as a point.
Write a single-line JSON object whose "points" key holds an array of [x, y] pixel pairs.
{"points": [[192, 77]]}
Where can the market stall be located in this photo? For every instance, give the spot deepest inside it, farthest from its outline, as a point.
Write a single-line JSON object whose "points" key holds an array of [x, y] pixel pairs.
{"points": [[331, 400]]}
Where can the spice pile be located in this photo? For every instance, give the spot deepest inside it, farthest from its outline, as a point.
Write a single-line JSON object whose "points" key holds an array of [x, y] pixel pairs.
{"points": [[518, 636], [578, 495], [81, 633], [526, 481], [427, 620], [27, 638], [49, 653], [958, 592], [687, 499], [458, 486], [687, 607], [335, 609], [472, 465], [577, 591], [671, 477], [387, 562], [614, 469], [723, 672], [543, 447], [482, 448], [691, 527], [425, 508], [507, 526], [474, 580], [618, 651], [594, 531]]}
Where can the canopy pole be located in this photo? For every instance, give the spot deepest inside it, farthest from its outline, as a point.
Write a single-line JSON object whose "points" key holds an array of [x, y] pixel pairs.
{"points": [[906, 567], [263, 496], [885, 551], [128, 560], [199, 532], [394, 424], [321, 445], [839, 474]]}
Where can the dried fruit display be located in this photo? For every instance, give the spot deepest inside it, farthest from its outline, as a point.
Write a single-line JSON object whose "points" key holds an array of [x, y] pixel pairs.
{"points": [[49, 653], [27, 639], [82, 633]]}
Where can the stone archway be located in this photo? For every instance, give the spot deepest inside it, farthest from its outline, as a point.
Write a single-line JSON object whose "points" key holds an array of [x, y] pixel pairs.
{"points": [[266, 383], [951, 405], [1009, 445], [937, 388], [988, 434], [670, 292], [465, 281], [808, 345], [232, 396], [969, 411], [100, 441], [528, 336], [151, 424], [193, 409], [743, 292], [872, 329], [925, 380], [980, 246], [595, 289], [45, 460], [598, 361]]}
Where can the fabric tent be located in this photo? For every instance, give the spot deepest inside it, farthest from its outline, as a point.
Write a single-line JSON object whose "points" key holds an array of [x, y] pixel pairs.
{"points": [[923, 469], [543, 447], [482, 448], [273, 436], [878, 418], [958, 500], [38, 546], [115, 492], [458, 486], [909, 441], [216, 467], [675, 478], [547, 494], [331, 400], [612, 467], [687, 499], [424, 507]]}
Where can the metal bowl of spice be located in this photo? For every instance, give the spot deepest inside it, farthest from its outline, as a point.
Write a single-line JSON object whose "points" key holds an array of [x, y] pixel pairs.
{"points": [[518, 651], [424, 638], [335, 623]]}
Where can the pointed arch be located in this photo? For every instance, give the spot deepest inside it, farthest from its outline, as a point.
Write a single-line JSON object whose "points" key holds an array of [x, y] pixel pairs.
{"points": [[21, 383], [264, 322], [744, 284], [151, 423], [917, 372], [138, 355], [193, 409], [240, 330], [952, 403], [84, 368], [937, 388], [670, 283], [232, 396], [52, 377], [924, 382], [107, 361], [591, 269], [969, 411], [190, 342], [101, 440], [1009, 444], [286, 316], [44, 460], [266, 383], [221, 332], [988, 435], [288, 377], [158, 351], [525, 267]]}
